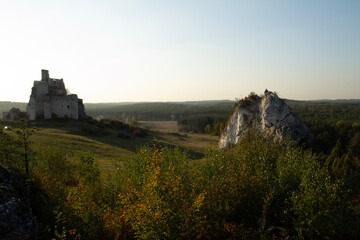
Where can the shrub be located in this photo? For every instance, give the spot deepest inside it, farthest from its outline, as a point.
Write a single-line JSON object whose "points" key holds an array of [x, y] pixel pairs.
{"points": [[159, 207]]}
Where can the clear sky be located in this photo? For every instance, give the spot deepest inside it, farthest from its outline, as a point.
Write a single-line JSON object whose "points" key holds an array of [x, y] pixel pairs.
{"points": [[172, 50]]}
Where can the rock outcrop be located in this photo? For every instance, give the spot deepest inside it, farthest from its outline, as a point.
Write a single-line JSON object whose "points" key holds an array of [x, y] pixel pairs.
{"points": [[268, 114], [17, 220]]}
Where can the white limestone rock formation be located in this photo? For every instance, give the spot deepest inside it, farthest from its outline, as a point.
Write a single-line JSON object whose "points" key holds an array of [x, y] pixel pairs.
{"points": [[268, 114], [49, 99]]}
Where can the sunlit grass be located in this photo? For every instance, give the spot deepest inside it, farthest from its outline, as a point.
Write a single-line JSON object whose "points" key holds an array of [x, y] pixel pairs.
{"points": [[67, 135]]}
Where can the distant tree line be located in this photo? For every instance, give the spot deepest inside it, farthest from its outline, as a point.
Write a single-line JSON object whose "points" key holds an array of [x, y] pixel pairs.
{"points": [[328, 112], [161, 111], [202, 124], [334, 124]]}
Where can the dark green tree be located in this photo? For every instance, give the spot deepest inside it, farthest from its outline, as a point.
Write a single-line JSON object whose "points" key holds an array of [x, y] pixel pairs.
{"points": [[23, 133], [7, 149]]}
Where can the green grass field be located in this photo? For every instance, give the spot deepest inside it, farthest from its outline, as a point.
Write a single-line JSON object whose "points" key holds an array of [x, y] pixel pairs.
{"points": [[71, 138], [166, 132], [161, 126]]}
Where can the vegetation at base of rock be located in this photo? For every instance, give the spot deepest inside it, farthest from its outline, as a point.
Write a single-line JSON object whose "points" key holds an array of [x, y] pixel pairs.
{"points": [[256, 190]]}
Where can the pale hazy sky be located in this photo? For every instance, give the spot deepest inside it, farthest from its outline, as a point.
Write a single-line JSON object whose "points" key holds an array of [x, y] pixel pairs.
{"points": [[115, 51]]}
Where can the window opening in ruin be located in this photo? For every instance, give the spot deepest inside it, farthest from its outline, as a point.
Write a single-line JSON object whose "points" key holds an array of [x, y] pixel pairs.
{"points": [[68, 106]]}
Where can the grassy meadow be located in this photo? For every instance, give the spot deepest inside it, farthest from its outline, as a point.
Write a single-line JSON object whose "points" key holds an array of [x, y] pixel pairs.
{"points": [[106, 146]]}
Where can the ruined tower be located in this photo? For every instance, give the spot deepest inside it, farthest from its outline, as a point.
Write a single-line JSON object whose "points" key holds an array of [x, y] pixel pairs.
{"points": [[44, 75], [49, 99]]}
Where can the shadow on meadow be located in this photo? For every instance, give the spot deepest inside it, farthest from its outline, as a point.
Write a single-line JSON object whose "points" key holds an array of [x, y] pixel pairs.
{"points": [[125, 136]]}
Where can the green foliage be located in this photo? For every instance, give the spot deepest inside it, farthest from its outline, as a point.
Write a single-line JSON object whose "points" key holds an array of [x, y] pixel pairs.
{"points": [[330, 122], [88, 169], [202, 124], [319, 207], [15, 146], [8, 152], [73, 184], [60, 228], [260, 189], [354, 146], [23, 133], [256, 190], [208, 128], [162, 208], [327, 111]]}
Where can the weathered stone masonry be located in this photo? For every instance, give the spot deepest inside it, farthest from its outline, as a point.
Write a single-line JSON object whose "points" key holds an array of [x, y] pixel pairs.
{"points": [[49, 99]]}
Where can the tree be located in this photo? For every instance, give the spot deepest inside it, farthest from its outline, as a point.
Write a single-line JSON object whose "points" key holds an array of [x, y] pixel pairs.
{"points": [[7, 149], [23, 133], [208, 129], [354, 146], [124, 117], [216, 129], [221, 128], [133, 120]]}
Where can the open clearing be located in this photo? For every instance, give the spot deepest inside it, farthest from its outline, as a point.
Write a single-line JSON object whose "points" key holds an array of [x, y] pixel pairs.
{"points": [[166, 133], [160, 126]]}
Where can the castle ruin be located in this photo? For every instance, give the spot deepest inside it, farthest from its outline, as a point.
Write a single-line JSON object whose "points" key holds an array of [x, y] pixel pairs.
{"points": [[14, 114], [49, 99]]}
